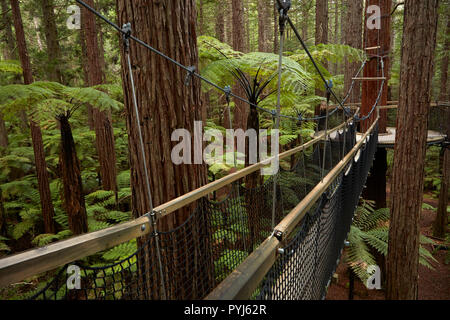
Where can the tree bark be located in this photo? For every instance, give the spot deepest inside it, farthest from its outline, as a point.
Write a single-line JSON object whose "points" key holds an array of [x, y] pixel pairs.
{"points": [[71, 176], [376, 182], [443, 93], [102, 119], [440, 224], [262, 20], [84, 63], [241, 109], [321, 36], [419, 41], [370, 89], [36, 135], [220, 20], [51, 36], [165, 104], [353, 38], [276, 42]]}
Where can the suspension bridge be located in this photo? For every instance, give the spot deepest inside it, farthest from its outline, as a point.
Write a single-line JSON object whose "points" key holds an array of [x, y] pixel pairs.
{"points": [[282, 239]]}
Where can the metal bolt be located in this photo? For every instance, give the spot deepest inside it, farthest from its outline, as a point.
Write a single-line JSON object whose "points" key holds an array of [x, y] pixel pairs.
{"points": [[143, 227], [281, 251]]}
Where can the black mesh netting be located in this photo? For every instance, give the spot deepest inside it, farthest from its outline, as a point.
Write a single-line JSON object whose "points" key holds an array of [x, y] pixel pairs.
{"points": [[311, 256], [218, 235]]}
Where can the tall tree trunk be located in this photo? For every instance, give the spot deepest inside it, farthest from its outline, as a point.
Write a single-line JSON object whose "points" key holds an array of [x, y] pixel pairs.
{"points": [[51, 36], [71, 176], [22, 56], [370, 89], [229, 23], [241, 109], [336, 31], [102, 119], [353, 38], [262, 20], [36, 135], [84, 63], [321, 36], [165, 104], [443, 93], [376, 182], [276, 42], [220, 20], [200, 20], [419, 41], [440, 224]]}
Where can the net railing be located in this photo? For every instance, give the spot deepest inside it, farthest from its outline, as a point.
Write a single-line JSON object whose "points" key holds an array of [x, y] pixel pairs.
{"points": [[215, 239]]}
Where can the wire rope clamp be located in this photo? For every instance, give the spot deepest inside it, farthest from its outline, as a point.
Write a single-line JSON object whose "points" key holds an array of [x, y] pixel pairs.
{"points": [[283, 8], [126, 30], [189, 75], [227, 91]]}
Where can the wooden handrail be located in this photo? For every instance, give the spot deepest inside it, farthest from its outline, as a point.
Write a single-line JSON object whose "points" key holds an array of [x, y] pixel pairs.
{"points": [[243, 281], [20, 266]]}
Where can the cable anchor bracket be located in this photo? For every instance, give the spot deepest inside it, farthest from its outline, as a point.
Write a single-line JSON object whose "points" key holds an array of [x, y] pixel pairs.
{"points": [[126, 30], [283, 7]]}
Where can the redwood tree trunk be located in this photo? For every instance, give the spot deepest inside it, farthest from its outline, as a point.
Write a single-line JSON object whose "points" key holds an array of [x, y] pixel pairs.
{"points": [[102, 119], [419, 41], [262, 21], [353, 38], [440, 224], [36, 135], [376, 182], [51, 36], [321, 36], [71, 176], [165, 104], [241, 109], [220, 20]]}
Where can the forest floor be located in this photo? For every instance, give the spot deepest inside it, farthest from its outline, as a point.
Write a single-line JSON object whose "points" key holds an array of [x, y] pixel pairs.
{"points": [[433, 284]]}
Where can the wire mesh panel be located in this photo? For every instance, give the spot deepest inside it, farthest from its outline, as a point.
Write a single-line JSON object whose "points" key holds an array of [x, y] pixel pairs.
{"points": [[303, 271]]}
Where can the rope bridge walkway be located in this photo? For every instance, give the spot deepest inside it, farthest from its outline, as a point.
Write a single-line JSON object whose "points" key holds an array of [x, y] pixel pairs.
{"points": [[199, 258], [279, 240]]}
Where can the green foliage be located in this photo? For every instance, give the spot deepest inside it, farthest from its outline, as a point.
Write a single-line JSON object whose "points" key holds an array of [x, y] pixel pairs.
{"points": [[46, 100], [370, 229], [10, 66]]}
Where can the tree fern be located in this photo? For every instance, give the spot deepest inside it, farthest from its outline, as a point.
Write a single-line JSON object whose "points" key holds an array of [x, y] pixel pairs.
{"points": [[370, 230]]}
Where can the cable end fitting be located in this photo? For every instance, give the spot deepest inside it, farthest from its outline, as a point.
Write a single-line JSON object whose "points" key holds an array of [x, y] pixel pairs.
{"points": [[227, 91], [283, 7], [126, 30], [190, 74]]}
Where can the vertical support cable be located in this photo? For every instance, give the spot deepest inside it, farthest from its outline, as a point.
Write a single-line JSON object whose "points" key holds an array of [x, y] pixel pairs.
{"points": [[152, 216], [227, 91], [283, 9], [328, 87]]}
